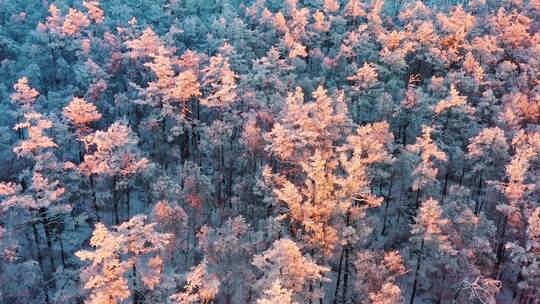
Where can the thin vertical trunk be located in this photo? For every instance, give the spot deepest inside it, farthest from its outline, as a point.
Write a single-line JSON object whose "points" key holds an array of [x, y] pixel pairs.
{"points": [[136, 299], [185, 143], [230, 183], [399, 203], [336, 291], [311, 289], [404, 141], [62, 251], [148, 191], [128, 192], [347, 249], [310, 292], [480, 207], [186, 255], [515, 289], [477, 204], [461, 177], [456, 294], [115, 202], [321, 288], [197, 135], [137, 119], [54, 74], [48, 238], [500, 247], [417, 200], [94, 199], [222, 191], [418, 263], [40, 263], [445, 188], [81, 152], [383, 231], [345, 275], [163, 141], [20, 131], [387, 198], [441, 294]]}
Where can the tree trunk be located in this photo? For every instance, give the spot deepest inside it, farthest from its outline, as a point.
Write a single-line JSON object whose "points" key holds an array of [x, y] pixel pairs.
{"points": [[515, 289], [40, 263], [383, 231], [311, 289], [445, 188], [405, 134], [48, 238], [230, 183], [94, 199], [441, 294], [417, 200], [500, 247], [81, 152], [136, 299], [418, 262], [163, 140], [62, 251], [128, 190], [338, 276], [477, 205], [461, 177], [185, 144], [115, 202], [345, 275], [456, 295]]}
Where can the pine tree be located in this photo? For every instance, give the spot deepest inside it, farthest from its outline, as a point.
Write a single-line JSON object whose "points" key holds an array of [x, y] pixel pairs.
{"points": [[132, 246], [304, 128], [105, 277], [528, 258], [115, 155], [425, 173], [227, 251], [219, 83], [518, 208], [279, 129], [81, 114], [173, 220], [285, 263], [489, 151], [35, 125], [147, 45], [24, 95], [429, 237], [202, 286], [276, 294], [74, 22], [377, 275]]}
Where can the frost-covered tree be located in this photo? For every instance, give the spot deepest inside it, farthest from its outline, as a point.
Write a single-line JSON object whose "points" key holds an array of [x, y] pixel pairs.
{"points": [[81, 114], [219, 82], [126, 260], [425, 172], [113, 154], [238, 126], [285, 265], [377, 275], [430, 240]]}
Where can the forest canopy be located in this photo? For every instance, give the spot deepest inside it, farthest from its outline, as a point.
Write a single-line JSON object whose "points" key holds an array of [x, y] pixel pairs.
{"points": [[269, 151]]}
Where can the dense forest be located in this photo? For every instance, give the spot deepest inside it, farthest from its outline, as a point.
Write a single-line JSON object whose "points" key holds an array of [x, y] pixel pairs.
{"points": [[269, 152]]}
